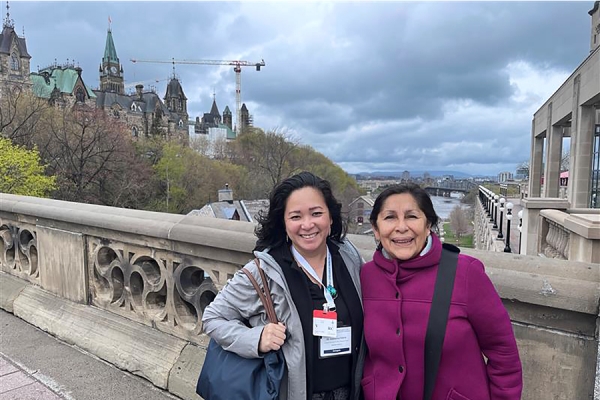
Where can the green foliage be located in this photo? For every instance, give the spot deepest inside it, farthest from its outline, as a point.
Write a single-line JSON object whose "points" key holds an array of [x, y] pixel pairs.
{"points": [[463, 241], [21, 172]]}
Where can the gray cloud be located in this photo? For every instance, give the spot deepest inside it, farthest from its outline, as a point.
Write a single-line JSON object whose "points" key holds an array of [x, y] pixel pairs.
{"points": [[370, 84]]}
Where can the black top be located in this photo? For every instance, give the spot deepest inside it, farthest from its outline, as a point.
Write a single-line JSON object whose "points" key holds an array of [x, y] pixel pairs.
{"points": [[334, 372]]}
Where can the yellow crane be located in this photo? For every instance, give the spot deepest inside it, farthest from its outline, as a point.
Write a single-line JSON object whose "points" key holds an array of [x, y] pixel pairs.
{"points": [[237, 68]]}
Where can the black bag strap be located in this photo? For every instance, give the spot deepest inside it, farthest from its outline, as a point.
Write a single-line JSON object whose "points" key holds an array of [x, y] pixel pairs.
{"points": [[264, 294], [438, 315]]}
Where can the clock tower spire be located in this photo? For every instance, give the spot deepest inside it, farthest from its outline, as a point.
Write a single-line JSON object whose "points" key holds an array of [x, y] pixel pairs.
{"points": [[111, 70]]}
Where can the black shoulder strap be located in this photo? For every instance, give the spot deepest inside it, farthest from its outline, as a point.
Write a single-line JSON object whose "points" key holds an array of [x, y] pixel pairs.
{"points": [[438, 315]]}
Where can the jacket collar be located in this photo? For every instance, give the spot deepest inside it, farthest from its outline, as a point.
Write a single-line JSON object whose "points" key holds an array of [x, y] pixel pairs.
{"points": [[392, 266]]}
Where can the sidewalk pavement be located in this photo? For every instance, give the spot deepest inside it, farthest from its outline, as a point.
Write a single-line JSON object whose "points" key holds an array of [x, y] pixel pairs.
{"points": [[17, 383], [36, 366]]}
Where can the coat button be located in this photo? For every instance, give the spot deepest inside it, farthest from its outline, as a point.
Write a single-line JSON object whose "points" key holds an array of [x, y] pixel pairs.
{"points": [[398, 331], [397, 294], [401, 369]]}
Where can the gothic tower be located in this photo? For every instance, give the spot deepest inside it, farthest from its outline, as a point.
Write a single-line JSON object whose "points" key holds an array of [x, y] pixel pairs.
{"points": [[111, 70], [175, 99], [227, 117], [14, 58]]}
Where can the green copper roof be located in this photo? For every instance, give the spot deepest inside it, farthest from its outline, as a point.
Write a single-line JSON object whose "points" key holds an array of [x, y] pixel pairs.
{"points": [[63, 78], [230, 133], [110, 53]]}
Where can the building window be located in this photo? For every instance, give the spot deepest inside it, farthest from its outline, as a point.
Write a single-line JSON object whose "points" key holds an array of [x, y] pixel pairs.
{"points": [[134, 131], [80, 95], [14, 62], [595, 178]]}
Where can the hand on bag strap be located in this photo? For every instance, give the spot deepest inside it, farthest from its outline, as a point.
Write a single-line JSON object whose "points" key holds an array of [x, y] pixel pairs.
{"points": [[264, 294]]}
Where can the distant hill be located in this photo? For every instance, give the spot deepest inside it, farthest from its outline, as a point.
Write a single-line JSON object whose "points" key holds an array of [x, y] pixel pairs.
{"points": [[398, 174]]}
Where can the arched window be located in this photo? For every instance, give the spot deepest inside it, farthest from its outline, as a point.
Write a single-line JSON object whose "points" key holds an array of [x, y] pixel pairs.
{"points": [[134, 131], [80, 95], [14, 62]]}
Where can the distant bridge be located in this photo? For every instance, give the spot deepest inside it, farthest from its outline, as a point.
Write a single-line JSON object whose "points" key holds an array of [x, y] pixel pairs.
{"points": [[444, 188]]}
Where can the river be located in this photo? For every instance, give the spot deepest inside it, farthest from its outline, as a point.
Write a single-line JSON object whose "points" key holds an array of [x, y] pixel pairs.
{"points": [[444, 205]]}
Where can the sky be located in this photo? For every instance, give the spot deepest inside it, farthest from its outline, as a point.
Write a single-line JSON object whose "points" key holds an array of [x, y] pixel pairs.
{"points": [[374, 86]]}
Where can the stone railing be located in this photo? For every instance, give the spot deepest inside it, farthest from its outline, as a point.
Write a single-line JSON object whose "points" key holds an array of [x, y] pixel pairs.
{"points": [[554, 230], [130, 286], [487, 222], [555, 238], [157, 269]]}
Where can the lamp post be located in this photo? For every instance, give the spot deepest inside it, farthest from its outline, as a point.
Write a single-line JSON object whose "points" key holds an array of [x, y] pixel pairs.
{"points": [[502, 201], [491, 207], [496, 197], [509, 207], [520, 214]]}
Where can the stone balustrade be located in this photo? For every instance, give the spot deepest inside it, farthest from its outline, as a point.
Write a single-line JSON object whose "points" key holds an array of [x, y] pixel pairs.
{"points": [[554, 230], [130, 286]]}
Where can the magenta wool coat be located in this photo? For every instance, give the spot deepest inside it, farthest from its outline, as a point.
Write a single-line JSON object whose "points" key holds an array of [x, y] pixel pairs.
{"points": [[397, 298]]}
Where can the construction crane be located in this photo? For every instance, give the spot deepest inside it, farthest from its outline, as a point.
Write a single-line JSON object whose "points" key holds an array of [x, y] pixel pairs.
{"points": [[237, 68]]}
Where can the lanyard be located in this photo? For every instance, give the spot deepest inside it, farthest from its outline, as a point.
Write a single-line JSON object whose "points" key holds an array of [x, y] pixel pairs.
{"points": [[328, 290]]}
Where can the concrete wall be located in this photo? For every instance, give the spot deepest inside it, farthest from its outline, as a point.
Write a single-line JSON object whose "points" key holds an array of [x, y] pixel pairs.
{"points": [[128, 286]]}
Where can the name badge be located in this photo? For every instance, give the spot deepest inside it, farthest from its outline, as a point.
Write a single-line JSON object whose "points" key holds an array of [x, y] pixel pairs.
{"points": [[337, 346], [325, 323]]}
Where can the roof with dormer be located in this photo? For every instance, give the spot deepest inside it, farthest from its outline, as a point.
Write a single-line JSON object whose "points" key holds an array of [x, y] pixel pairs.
{"points": [[110, 52], [147, 103], [7, 37], [227, 111], [62, 78]]}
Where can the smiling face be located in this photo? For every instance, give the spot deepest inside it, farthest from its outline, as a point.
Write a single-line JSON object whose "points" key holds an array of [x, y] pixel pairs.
{"points": [[307, 221], [402, 227]]}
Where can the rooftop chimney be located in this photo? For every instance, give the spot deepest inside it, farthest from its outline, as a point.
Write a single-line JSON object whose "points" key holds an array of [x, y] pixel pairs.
{"points": [[226, 194]]}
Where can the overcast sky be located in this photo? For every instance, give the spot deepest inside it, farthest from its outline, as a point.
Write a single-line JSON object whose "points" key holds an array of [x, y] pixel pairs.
{"points": [[375, 86]]}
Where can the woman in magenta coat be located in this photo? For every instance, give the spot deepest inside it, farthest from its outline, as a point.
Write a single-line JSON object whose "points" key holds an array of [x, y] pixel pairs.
{"points": [[397, 288]]}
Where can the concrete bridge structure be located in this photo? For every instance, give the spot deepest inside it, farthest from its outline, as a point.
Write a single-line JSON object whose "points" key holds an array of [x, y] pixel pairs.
{"points": [[130, 286], [446, 187]]}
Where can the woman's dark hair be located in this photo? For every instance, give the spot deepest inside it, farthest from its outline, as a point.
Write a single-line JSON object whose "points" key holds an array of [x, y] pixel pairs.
{"points": [[417, 192], [271, 225]]}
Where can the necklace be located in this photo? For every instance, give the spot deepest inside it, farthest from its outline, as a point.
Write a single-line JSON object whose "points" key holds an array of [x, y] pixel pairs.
{"points": [[329, 291]]}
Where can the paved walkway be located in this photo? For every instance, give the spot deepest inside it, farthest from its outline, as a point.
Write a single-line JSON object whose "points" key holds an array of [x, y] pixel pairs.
{"points": [[36, 366], [17, 383]]}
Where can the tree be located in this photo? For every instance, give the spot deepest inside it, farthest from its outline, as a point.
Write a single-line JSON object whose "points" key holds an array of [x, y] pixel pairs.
{"points": [[565, 161], [21, 172], [87, 150], [21, 113], [267, 155], [189, 180], [459, 222]]}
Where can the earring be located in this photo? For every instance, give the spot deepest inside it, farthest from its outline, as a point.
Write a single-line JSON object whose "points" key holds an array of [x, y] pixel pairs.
{"points": [[287, 238]]}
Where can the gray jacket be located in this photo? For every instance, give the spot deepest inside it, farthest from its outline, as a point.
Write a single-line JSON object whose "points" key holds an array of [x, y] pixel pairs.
{"points": [[223, 319]]}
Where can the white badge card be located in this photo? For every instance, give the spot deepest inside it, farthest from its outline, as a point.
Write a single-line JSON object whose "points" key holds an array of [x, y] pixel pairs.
{"points": [[324, 323], [337, 346]]}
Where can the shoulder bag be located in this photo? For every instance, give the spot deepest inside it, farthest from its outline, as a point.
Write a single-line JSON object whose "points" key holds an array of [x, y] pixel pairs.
{"points": [[438, 315], [227, 376]]}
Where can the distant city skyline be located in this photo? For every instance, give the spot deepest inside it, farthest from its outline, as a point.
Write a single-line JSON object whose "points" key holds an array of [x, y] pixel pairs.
{"points": [[374, 86]]}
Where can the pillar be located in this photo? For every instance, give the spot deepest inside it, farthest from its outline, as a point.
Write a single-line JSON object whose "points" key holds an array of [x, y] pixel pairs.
{"points": [[535, 163], [582, 139], [553, 158]]}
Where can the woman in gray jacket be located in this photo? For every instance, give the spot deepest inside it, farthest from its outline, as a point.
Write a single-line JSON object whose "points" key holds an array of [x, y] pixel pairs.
{"points": [[314, 279]]}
